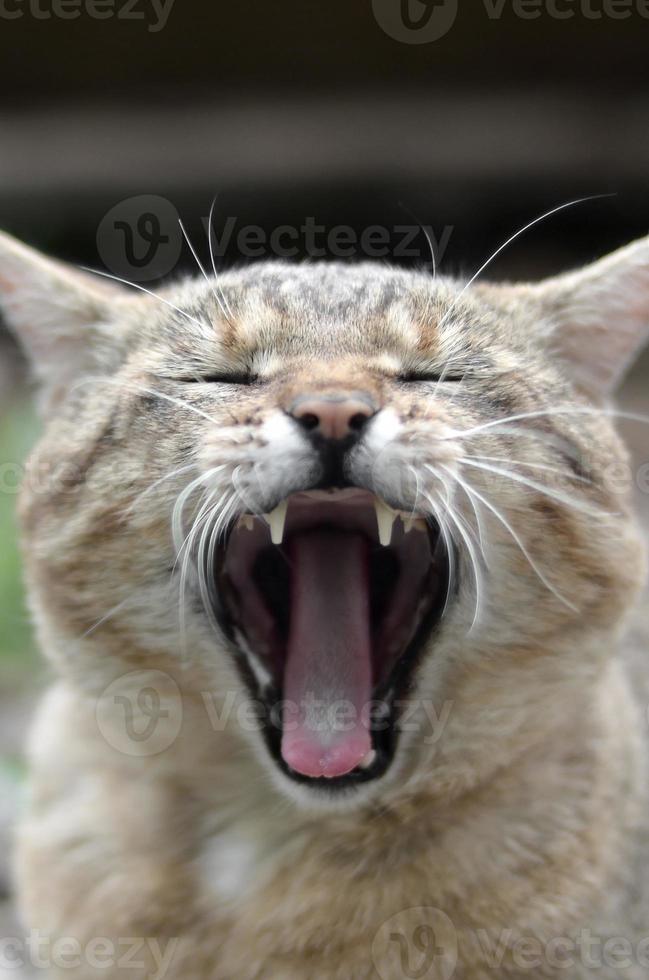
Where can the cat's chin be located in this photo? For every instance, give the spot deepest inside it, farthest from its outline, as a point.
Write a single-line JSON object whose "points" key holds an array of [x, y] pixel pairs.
{"points": [[328, 602]]}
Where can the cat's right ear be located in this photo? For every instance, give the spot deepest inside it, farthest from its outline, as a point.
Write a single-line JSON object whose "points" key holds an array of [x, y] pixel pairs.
{"points": [[59, 315], [596, 319]]}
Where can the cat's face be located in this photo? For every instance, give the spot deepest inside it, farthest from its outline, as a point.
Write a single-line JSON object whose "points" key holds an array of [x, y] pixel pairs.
{"points": [[384, 511]]}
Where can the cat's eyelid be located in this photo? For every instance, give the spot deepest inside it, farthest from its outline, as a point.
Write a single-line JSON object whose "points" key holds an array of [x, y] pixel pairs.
{"points": [[225, 378], [432, 376]]}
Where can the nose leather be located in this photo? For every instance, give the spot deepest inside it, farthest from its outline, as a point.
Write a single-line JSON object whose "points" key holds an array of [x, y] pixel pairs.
{"points": [[334, 417]]}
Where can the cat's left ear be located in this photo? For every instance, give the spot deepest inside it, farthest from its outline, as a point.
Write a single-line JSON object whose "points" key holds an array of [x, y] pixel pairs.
{"points": [[59, 315], [596, 320]]}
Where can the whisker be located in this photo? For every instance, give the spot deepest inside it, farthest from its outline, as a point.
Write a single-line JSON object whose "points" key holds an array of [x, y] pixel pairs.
{"points": [[149, 292], [533, 485], [575, 410], [546, 582], [463, 484], [156, 483], [187, 546], [133, 386], [105, 617], [533, 466], [448, 541], [210, 232], [200, 265], [177, 531], [512, 238], [475, 561]]}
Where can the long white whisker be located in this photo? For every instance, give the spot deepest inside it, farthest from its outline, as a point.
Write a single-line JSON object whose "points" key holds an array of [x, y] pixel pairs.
{"points": [[532, 466], [475, 561], [450, 550], [478, 517], [230, 318], [607, 413], [156, 483], [448, 540], [187, 547], [533, 485], [209, 536], [117, 383], [200, 265], [512, 238], [105, 617], [149, 292], [494, 510], [177, 530]]}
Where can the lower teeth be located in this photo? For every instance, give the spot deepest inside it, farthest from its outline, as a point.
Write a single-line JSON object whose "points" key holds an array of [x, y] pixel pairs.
{"points": [[367, 760]]}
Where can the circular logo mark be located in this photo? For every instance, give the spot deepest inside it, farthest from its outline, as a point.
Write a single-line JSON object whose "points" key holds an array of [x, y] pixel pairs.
{"points": [[417, 944], [415, 21], [140, 238], [140, 713]]}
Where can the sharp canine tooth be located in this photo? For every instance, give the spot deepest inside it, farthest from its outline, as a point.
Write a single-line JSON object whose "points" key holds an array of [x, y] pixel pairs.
{"points": [[276, 520], [385, 518], [367, 760]]}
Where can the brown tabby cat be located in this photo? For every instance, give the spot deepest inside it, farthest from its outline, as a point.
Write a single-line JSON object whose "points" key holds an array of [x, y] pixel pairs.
{"points": [[332, 564]]}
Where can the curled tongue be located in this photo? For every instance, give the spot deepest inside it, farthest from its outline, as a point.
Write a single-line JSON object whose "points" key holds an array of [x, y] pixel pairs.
{"points": [[328, 672]]}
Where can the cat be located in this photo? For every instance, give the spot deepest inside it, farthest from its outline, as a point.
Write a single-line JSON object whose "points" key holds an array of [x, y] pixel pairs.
{"points": [[333, 565]]}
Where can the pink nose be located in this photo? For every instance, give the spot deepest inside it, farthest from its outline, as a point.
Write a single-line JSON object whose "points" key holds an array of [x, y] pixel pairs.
{"points": [[333, 416]]}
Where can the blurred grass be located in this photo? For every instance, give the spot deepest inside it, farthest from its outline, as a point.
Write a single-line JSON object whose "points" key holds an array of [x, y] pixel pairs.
{"points": [[18, 431]]}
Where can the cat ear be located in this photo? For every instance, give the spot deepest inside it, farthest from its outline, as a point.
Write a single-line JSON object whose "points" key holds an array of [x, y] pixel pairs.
{"points": [[59, 315], [597, 319]]}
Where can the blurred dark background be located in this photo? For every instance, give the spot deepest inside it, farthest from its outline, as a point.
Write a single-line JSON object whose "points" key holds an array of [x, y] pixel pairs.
{"points": [[302, 109]]}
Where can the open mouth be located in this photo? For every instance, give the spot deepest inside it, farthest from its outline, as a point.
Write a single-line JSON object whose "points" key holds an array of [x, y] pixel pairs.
{"points": [[329, 600]]}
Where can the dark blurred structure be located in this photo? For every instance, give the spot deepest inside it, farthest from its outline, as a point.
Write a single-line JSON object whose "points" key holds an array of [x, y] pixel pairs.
{"points": [[302, 108]]}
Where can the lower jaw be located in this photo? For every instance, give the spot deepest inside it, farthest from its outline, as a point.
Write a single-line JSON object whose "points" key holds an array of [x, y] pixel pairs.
{"points": [[389, 700], [368, 753]]}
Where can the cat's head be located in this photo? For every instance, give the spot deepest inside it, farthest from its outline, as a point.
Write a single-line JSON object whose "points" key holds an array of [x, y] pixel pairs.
{"points": [[384, 509]]}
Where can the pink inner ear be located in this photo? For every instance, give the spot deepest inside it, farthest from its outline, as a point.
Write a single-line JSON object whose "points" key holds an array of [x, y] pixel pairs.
{"points": [[598, 318]]}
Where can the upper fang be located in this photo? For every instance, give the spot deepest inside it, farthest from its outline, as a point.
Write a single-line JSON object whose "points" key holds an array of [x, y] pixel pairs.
{"points": [[276, 521], [385, 518]]}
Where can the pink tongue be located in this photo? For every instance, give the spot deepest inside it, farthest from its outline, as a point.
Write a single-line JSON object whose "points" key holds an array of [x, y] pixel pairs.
{"points": [[328, 673]]}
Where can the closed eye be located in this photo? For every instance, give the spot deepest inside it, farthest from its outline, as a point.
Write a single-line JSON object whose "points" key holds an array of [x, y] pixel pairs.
{"points": [[224, 378], [413, 377]]}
